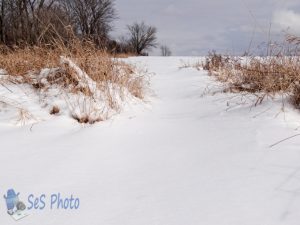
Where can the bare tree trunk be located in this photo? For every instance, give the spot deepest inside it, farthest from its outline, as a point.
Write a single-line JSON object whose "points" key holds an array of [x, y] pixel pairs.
{"points": [[2, 17]]}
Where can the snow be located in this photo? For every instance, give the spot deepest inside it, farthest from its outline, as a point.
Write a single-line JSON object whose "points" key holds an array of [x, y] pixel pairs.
{"points": [[179, 158], [85, 80]]}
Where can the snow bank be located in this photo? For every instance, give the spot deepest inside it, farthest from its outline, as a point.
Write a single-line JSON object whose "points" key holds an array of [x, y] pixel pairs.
{"points": [[97, 102]]}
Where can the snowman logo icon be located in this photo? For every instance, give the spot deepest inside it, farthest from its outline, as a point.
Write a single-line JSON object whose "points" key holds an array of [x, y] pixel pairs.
{"points": [[15, 207]]}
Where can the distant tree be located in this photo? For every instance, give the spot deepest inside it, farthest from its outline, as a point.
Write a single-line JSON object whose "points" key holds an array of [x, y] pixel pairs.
{"points": [[123, 45], [165, 50], [141, 38]]}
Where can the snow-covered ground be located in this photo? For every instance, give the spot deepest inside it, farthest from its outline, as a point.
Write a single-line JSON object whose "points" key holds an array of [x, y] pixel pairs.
{"points": [[179, 159]]}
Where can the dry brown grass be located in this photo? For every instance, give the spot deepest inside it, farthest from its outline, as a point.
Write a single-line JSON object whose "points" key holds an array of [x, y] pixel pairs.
{"points": [[260, 76], [54, 110], [124, 55], [24, 116], [215, 61], [185, 64], [18, 62], [110, 76]]}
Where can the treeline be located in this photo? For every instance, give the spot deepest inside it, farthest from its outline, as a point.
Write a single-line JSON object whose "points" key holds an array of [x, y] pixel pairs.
{"points": [[36, 22]]}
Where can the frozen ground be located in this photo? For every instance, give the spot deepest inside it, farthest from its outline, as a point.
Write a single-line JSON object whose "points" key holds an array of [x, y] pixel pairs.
{"points": [[181, 159]]}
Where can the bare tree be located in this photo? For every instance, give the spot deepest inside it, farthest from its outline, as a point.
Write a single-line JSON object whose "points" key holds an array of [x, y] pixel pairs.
{"points": [[141, 37], [21, 20], [32, 21], [165, 50], [2, 20], [91, 18]]}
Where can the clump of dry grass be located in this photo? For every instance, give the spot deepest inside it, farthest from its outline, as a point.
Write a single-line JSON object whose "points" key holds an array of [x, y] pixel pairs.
{"points": [[260, 76], [24, 116], [215, 61], [54, 110], [18, 62], [86, 119], [185, 64], [77, 68]]}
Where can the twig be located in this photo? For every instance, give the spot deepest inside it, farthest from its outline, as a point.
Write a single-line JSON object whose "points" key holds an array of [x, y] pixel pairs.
{"points": [[255, 116], [32, 126], [271, 146], [7, 88]]}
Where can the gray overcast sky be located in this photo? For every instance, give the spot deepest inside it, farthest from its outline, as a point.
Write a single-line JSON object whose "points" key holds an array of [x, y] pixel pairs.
{"points": [[192, 27]]}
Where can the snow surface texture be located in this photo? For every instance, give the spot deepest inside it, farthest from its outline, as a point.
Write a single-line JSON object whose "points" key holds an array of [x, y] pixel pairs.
{"points": [[181, 159]]}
